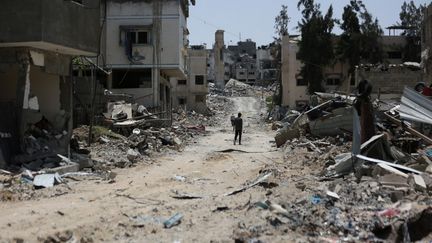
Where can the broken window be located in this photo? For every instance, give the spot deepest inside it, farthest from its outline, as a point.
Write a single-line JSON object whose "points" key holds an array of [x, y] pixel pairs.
{"points": [[241, 73], [200, 98], [132, 79], [182, 101], [333, 81], [199, 79], [251, 73], [301, 82], [181, 82]]}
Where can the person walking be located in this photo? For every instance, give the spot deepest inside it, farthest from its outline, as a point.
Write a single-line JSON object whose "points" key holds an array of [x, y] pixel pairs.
{"points": [[238, 126]]}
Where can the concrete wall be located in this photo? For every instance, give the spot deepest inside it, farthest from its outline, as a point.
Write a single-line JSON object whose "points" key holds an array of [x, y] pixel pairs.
{"points": [[219, 66], [140, 14], [291, 69], [290, 72], [47, 88], [55, 25], [197, 65], [8, 81], [391, 82]]}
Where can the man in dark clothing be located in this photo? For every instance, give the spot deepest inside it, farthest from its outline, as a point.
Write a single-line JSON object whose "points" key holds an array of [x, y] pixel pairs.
{"points": [[238, 127]]}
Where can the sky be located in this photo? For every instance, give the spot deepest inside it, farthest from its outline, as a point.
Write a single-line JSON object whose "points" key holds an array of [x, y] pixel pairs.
{"points": [[254, 19]]}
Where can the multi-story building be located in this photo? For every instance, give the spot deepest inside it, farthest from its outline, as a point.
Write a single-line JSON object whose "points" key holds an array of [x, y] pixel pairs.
{"points": [[266, 64], [336, 76], [191, 93], [244, 54], [38, 40], [146, 47]]}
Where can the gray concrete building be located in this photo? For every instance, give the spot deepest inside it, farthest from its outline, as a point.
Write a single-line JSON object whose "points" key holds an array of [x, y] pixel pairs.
{"points": [[145, 46], [38, 40]]}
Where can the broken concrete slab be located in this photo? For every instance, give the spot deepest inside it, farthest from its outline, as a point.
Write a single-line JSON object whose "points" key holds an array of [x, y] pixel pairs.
{"points": [[133, 155], [417, 182], [83, 160], [343, 164], [46, 180], [286, 134], [72, 167], [393, 180]]}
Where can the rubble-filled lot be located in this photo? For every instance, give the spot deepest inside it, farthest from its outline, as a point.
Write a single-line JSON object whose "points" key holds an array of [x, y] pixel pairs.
{"points": [[109, 149], [296, 178]]}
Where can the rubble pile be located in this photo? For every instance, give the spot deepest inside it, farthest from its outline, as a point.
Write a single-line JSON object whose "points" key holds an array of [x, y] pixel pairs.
{"points": [[41, 143], [378, 190], [236, 88]]}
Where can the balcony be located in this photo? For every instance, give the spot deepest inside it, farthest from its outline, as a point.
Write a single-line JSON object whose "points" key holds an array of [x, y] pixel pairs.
{"points": [[64, 26]]}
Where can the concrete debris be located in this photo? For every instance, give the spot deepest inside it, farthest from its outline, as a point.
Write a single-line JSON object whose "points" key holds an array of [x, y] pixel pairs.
{"points": [[46, 180], [174, 220]]}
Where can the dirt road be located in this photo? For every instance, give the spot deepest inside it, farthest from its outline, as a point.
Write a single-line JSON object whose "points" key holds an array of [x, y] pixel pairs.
{"points": [[133, 208]]}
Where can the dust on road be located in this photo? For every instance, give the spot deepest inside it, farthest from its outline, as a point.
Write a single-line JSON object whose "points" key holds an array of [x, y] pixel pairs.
{"points": [[132, 208]]}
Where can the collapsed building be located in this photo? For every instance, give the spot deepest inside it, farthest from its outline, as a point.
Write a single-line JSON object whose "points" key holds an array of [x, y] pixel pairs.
{"points": [[39, 39]]}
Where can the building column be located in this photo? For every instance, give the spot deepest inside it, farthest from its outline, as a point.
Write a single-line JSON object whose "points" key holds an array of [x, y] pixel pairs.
{"points": [[23, 88]]}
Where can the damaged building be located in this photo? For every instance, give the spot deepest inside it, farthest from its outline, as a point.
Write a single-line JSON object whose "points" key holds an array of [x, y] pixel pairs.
{"points": [[245, 57], [266, 64], [146, 47], [337, 78], [39, 39], [191, 93]]}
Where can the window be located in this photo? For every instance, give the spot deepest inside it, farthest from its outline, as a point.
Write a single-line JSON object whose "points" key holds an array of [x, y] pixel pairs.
{"points": [[394, 55], [182, 101], [333, 81], [241, 73], [142, 37], [135, 37], [200, 98], [251, 73], [132, 79], [301, 82], [181, 82], [199, 79]]}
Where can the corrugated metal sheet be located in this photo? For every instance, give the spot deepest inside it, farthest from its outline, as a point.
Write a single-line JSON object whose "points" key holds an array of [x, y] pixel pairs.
{"points": [[415, 107]]}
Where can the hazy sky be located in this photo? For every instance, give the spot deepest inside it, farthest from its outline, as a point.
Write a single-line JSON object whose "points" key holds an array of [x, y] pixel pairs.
{"points": [[255, 18]]}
